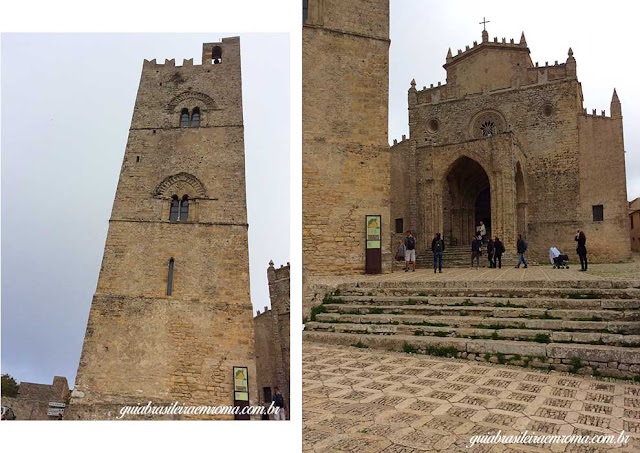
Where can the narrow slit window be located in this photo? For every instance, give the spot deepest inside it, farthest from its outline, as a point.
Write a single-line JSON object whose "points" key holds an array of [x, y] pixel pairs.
{"points": [[184, 209], [195, 117], [175, 209], [184, 118], [170, 278]]}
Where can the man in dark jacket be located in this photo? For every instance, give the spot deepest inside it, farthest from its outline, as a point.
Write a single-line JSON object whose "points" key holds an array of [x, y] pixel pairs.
{"points": [[521, 246], [437, 247], [498, 250], [476, 243], [278, 400], [491, 251]]}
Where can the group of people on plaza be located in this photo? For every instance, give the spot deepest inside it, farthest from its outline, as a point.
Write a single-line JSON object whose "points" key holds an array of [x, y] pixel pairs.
{"points": [[479, 242]]}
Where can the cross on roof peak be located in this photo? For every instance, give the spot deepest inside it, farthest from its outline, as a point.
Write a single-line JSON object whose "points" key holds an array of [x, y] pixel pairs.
{"points": [[484, 23]]}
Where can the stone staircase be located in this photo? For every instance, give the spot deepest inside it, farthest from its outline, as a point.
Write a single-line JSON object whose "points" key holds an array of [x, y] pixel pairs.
{"points": [[586, 326], [457, 256]]}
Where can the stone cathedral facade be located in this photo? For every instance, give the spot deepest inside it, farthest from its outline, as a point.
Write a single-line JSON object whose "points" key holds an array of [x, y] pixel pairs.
{"points": [[172, 315], [509, 142]]}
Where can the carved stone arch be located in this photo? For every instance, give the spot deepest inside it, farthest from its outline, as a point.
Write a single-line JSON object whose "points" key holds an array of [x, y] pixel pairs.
{"points": [[486, 123], [185, 95], [181, 184]]}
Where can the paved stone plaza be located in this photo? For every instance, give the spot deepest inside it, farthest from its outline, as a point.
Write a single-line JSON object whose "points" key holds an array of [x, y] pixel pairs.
{"points": [[379, 401]]}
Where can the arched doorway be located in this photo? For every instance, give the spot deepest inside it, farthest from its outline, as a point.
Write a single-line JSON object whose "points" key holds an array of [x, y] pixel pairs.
{"points": [[466, 201]]}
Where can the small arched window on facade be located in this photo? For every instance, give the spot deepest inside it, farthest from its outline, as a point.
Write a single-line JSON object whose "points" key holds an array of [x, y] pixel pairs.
{"points": [[195, 117], [174, 214], [216, 55], [170, 277], [184, 118], [184, 209]]}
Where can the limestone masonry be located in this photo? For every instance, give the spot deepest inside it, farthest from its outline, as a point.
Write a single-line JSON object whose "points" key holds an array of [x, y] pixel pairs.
{"points": [[273, 344], [345, 146], [508, 141], [172, 314], [504, 140]]}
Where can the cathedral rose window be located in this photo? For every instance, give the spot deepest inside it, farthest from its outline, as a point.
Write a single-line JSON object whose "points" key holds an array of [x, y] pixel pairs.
{"points": [[488, 128], [487, 124]]}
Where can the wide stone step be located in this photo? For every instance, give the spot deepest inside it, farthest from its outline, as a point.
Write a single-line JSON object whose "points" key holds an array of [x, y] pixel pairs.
{"points": [[510, 292], [461, 281], [613, 360], [618, 327], [537, 335], [489, 312], [516, 302]]}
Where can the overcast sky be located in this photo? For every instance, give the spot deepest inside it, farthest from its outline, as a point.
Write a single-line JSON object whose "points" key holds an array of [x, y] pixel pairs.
{"points": [[603, 37], [67, 101]]}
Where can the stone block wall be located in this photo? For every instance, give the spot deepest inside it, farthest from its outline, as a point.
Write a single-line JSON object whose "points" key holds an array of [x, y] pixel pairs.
{"points": [[345, 144], [143, 344]]}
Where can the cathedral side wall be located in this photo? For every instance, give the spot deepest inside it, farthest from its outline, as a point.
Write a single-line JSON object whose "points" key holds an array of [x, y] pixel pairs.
{"points": [[603, 182], [402, 190]]}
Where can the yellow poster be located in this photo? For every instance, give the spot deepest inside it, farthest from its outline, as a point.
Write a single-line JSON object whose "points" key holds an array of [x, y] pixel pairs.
{"points": [[373, 231]]}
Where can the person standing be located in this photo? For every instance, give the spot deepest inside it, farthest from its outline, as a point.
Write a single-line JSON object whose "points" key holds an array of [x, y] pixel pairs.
{"points": [[482, 231], [279, 403], [476, 244], [498, 248], [400, 251], [410, 251], [581, 239], [437, 247], [521, 247], [491, 250]]}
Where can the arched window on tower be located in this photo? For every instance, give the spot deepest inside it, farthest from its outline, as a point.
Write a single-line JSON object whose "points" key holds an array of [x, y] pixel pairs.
{"points": [[195, 117], [175, 209], [216, 55], [184, 209], [170, 278], [184, 118]]}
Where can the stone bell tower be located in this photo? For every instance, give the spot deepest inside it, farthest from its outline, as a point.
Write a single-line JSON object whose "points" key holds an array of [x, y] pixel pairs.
{"points": [[172, 313]]}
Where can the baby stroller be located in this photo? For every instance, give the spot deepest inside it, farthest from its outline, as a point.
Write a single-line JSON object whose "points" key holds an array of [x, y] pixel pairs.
{"points": [[558, 260]]}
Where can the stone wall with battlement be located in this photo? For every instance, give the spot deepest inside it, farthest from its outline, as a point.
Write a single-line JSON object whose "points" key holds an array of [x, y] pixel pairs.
{"points": [[143, 342], [571, 161]]}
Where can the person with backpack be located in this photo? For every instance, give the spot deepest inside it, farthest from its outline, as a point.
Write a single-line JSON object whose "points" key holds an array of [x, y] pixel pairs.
{"points": [[410, 251], [437, 247], [279, 403], [491, 250], [521, 247], [476, 244], [498, 247], [581, 250]]}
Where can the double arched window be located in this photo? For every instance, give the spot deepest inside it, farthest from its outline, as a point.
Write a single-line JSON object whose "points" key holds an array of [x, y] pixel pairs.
{"points": [[179, 209], [190, 119]]}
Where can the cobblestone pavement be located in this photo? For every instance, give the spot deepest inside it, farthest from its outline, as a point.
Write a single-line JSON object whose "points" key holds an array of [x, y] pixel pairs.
{"points": [[360, 400]]}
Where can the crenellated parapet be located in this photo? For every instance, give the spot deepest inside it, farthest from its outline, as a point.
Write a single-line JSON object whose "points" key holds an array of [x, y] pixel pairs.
{"points": [[214, 54], [462, 79]]}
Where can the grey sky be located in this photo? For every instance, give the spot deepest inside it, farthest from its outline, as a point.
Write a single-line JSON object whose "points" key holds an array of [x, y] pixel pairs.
{"points": [[602, 36], [67, 101]]}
